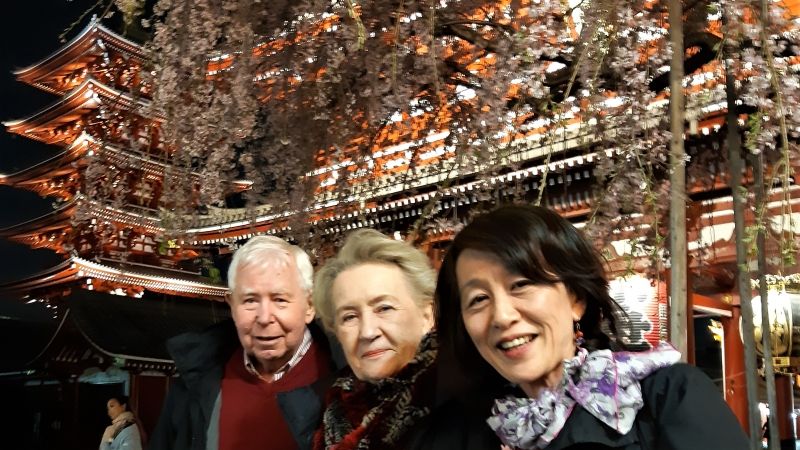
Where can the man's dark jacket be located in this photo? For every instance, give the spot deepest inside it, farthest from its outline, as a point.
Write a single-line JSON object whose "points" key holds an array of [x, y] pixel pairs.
{"points": [[200, 359]]}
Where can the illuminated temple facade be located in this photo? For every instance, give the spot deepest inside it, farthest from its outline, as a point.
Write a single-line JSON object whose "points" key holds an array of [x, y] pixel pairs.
{"points": [[115, 253]]}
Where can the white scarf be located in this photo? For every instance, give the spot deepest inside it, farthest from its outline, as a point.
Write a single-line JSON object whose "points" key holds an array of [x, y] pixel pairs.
{"points": [[116, 424]]}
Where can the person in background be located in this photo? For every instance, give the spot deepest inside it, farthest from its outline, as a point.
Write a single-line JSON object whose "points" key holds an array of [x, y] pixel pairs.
{"points": [[376, 297], [123, 433], [254, 382], [522, 298]]}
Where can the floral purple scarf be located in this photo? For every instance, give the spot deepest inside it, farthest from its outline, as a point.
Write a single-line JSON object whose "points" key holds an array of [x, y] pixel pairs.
{"points": [[604, 383]]}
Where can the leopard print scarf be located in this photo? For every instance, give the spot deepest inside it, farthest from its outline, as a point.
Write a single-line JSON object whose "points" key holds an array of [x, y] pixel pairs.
{"points": [[362, 415]]}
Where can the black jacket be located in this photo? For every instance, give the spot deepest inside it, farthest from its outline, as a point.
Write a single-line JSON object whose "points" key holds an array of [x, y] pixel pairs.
{"points": [[682, 410], [455, 425], [200, 359]]}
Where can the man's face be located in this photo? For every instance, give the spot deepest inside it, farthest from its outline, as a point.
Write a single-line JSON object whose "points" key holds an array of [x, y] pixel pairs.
{"points": [[271, 311]]}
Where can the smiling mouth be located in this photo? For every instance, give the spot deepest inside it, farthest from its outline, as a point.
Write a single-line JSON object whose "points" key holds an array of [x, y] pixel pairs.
{"points": [[267, 338], [373, 353], [516, 342]]}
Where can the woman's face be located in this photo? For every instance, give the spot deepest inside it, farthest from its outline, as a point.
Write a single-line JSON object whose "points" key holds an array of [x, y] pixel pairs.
{"points": [[377, 320], [524, 330], [114, 408]]}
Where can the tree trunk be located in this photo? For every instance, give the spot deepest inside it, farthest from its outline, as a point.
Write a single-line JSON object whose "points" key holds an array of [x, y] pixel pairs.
{"points": [[677, 214], [734, 143], [766, 336]]}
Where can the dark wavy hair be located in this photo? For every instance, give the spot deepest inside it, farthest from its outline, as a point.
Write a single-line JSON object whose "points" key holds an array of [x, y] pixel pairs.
{"points": [[540, 245], [122, 400]]}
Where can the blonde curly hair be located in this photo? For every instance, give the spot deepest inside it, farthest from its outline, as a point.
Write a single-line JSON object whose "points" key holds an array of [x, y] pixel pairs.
{"points": [[370, 246]]}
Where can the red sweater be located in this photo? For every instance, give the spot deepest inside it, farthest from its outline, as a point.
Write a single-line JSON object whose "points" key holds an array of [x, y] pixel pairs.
{"points": [[250, 417]]}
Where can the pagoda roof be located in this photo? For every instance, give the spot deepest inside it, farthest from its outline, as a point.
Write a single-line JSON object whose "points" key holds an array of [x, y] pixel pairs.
{"points": [[40, 176], [75, 54], [60, 219], [53, 220], [76, 270], [66, 112]]}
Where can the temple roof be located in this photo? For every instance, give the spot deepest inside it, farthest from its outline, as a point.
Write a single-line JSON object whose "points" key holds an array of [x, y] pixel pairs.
{"points": [[90, 329], [29, 327], [60, 122], [89, 44], [60, 218], [29, 231], [236, 224], [81, 272], [138, 328], [42, 177]]}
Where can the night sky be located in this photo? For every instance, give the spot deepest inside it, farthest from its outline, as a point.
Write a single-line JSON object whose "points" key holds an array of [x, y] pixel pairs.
{"points": [[29, 33]]}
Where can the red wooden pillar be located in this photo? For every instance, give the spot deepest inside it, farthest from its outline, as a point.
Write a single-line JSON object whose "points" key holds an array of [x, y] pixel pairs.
{"points": [[133, 394], [151, 390], [784, 408], [733, 353], [690, 345]]}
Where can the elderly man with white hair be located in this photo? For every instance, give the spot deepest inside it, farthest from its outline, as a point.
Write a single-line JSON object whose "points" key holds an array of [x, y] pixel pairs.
{"points": [[254, 382]]}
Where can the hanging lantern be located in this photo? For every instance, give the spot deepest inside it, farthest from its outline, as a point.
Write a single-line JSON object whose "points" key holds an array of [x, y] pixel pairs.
{"points": [[784, 316], [784, 312], [643, 325]]}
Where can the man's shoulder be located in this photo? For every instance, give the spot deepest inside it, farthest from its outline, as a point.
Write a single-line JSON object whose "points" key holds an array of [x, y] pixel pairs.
{"points": [[201, 349], [220, 332], [328, 346]]}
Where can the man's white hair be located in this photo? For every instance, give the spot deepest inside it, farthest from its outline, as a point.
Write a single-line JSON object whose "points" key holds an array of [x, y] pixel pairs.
{"points": [[264, 248]]}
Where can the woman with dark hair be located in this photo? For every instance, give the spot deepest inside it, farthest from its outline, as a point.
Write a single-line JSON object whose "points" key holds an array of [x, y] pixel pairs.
{"points": [[521, 294], [123, 433]]}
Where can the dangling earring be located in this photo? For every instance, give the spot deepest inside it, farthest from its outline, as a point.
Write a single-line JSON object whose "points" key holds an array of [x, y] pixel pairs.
{"points": [[578, 334]]}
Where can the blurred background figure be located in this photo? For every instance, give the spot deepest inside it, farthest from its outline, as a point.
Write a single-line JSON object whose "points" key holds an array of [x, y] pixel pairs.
{"points": [[123, 433]]}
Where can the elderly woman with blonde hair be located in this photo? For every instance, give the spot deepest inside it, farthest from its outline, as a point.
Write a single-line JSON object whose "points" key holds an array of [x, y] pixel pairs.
{"points": [[376, 297]]}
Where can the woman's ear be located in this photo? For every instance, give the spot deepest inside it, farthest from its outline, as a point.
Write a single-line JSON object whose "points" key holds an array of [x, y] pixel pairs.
{"points": [[428, 317], [578, 309]]}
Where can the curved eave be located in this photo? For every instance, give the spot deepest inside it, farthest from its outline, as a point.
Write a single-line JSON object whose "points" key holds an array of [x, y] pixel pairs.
{"points": [[60, 218], [241, 228], [77, 268], [141, 222], [87, 96], [176, 285], [55, 219], [62, 273], [61, 163], [84, 42], [52, 167], [131, 360], [150, 164]]}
